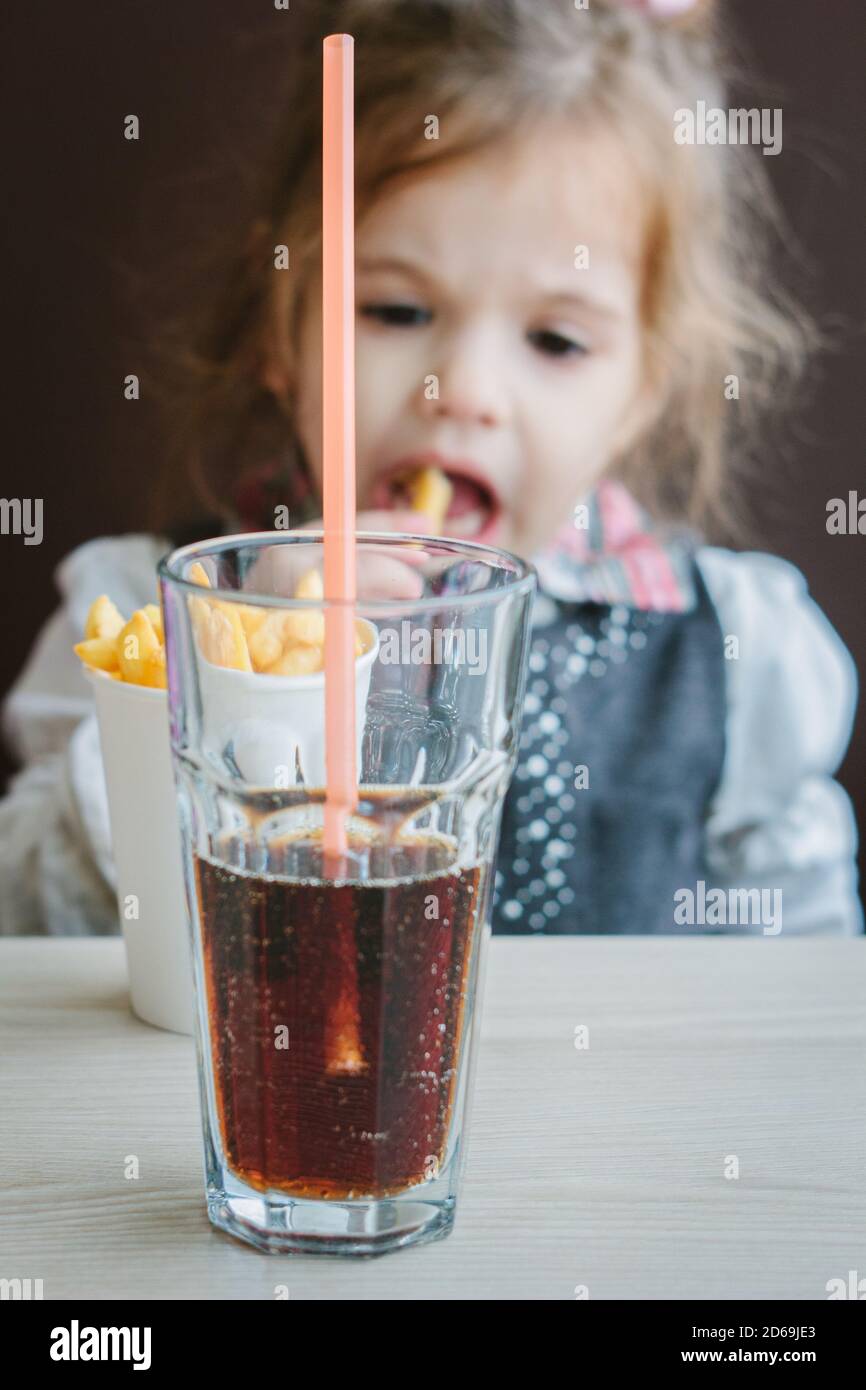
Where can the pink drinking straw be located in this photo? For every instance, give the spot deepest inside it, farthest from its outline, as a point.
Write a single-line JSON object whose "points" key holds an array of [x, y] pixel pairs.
{"points": [[343, 1050], [338, 435]]}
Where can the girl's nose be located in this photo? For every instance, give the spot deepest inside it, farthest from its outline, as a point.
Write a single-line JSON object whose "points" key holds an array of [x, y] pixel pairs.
{"points": [[468, 388]]}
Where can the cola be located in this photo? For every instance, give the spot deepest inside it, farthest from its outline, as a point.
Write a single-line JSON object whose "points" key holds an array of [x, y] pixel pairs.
{"points": [[336, 1015]]}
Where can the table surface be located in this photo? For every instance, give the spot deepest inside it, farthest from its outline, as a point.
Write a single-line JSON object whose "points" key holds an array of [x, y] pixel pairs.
{"points": [[600, 1168]]}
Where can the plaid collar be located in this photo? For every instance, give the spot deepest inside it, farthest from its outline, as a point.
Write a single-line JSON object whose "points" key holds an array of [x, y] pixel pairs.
{"points": [[613, 553]]}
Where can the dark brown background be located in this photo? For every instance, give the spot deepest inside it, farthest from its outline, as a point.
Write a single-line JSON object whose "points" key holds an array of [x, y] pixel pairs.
{"points": [[100, 228]]}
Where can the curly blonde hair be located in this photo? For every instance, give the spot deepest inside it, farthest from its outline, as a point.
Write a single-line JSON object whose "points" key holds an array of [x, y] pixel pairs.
{"points": [[488, 69]]}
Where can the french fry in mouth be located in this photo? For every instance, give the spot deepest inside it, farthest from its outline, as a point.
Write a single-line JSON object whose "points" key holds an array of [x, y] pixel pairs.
{"points": [[430, 491]]}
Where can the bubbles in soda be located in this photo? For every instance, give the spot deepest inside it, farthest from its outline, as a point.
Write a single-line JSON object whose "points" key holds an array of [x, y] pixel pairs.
{"points": [[336, 1014]]}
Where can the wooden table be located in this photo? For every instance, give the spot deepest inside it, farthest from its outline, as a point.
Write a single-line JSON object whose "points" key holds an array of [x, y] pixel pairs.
{"points": [[603, 1167]]}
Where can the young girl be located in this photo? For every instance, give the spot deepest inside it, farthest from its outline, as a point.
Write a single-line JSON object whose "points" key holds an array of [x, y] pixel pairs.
{"points": [[565, 310]]}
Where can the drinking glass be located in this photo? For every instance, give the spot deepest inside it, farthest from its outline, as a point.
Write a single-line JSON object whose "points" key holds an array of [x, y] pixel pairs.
{"points": [[336, 1001]]}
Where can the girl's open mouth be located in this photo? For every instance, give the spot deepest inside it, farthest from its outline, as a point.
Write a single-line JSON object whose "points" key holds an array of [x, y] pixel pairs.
{"points": [[474, 509]]}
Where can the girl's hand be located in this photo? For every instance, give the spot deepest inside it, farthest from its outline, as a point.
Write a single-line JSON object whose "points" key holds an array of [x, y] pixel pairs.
{"points": [[380, 574]]}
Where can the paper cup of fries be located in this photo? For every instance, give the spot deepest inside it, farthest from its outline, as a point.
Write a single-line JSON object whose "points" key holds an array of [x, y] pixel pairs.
{"points": [[125, 661], [262, 671], [274, 726], [262, 668], [145, 837]]}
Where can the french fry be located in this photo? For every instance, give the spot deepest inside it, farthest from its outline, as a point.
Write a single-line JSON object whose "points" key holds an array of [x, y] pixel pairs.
{"points": [[252, 618], [430, 491], [140, 654], [198, 575], [140, 660], [99, 652], [220, 634], [266, 644], [233, 638], [103, 620], [155, 672], [240, 637], [310, 585], [307, 627], [297, 660], [219, 626], [154, 612]]}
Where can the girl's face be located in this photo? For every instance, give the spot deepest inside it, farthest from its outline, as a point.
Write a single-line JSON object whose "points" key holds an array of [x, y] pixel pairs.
{"points": [[488, 343]]}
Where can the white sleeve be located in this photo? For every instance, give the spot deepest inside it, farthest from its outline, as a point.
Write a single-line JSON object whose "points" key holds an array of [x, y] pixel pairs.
{"points": [[55, 865], [56, 870], [778, 820]]}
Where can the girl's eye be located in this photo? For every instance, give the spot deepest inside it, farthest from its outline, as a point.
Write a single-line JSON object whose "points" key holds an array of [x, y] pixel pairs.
{"points": [[556, 344], [397, 315]]}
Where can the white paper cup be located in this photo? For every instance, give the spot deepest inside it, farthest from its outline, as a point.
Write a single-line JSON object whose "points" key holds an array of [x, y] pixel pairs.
{"points": [[274, 726], [145, 837]]}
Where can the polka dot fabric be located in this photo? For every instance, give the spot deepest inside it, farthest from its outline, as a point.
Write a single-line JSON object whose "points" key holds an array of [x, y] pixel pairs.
{"points": [[563, 652], [598, 700]]}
